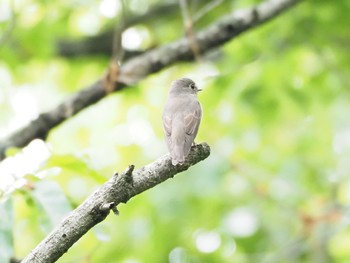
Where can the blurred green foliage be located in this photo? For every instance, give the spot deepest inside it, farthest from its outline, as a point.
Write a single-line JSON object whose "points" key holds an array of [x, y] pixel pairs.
{"points": [[276, 114]]}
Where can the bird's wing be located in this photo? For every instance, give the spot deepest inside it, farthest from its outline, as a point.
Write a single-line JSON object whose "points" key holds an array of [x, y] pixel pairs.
{"points": [[167, 125], [192, 120]]}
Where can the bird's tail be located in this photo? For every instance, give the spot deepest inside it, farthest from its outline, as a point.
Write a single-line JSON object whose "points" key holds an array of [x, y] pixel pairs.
{"points": [[177, 154]]}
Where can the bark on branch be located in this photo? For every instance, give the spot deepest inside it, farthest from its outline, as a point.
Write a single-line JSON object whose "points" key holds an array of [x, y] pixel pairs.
{"points": [[152, 61], [119, 189]]}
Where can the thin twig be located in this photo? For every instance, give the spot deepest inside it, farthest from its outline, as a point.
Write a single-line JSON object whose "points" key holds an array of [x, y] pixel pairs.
{"points": [[206, 9], [112, 75], [117, 49], [188, 23], [10, 26]]}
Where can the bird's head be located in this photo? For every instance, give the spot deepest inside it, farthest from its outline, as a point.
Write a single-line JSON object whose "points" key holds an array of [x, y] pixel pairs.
{"points": [[184, 86]]}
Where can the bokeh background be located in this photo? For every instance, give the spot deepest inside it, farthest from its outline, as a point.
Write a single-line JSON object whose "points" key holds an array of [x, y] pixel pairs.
{"points": [[276, 105]]}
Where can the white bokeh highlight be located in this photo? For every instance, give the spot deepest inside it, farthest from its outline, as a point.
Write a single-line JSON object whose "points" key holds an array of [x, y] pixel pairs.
{"points": [[242, 222], [109, 8], [207, 242]]}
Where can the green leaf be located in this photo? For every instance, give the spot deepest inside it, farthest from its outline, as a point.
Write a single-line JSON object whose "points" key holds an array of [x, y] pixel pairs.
{"points": [[51, 198]]}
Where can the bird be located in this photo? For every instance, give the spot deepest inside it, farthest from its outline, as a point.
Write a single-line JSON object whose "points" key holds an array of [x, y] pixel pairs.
{"points": [[181, 117]]}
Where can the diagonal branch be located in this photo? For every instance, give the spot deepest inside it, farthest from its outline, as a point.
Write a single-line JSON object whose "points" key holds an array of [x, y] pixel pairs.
{"points": [[134, 70], [119, 189]]}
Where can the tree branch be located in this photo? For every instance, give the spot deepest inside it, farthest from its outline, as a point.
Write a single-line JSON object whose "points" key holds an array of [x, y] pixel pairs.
{"points": [[102, 44], [152, 61], [119, 189]]}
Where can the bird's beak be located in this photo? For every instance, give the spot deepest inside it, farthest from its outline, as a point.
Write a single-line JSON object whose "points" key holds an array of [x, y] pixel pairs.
{"points": [[199, 89]]}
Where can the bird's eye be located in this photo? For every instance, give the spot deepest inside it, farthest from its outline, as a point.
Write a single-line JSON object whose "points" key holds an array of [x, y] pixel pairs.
{"points": [[192, 86]]}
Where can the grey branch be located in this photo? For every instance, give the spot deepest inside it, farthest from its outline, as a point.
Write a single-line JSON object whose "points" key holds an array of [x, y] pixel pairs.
{"points": [[223, 30], [102, 43], [119, 189]]}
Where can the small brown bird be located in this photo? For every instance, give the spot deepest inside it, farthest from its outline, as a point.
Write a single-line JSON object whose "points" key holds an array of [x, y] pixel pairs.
{"points": [[181, 118]]}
